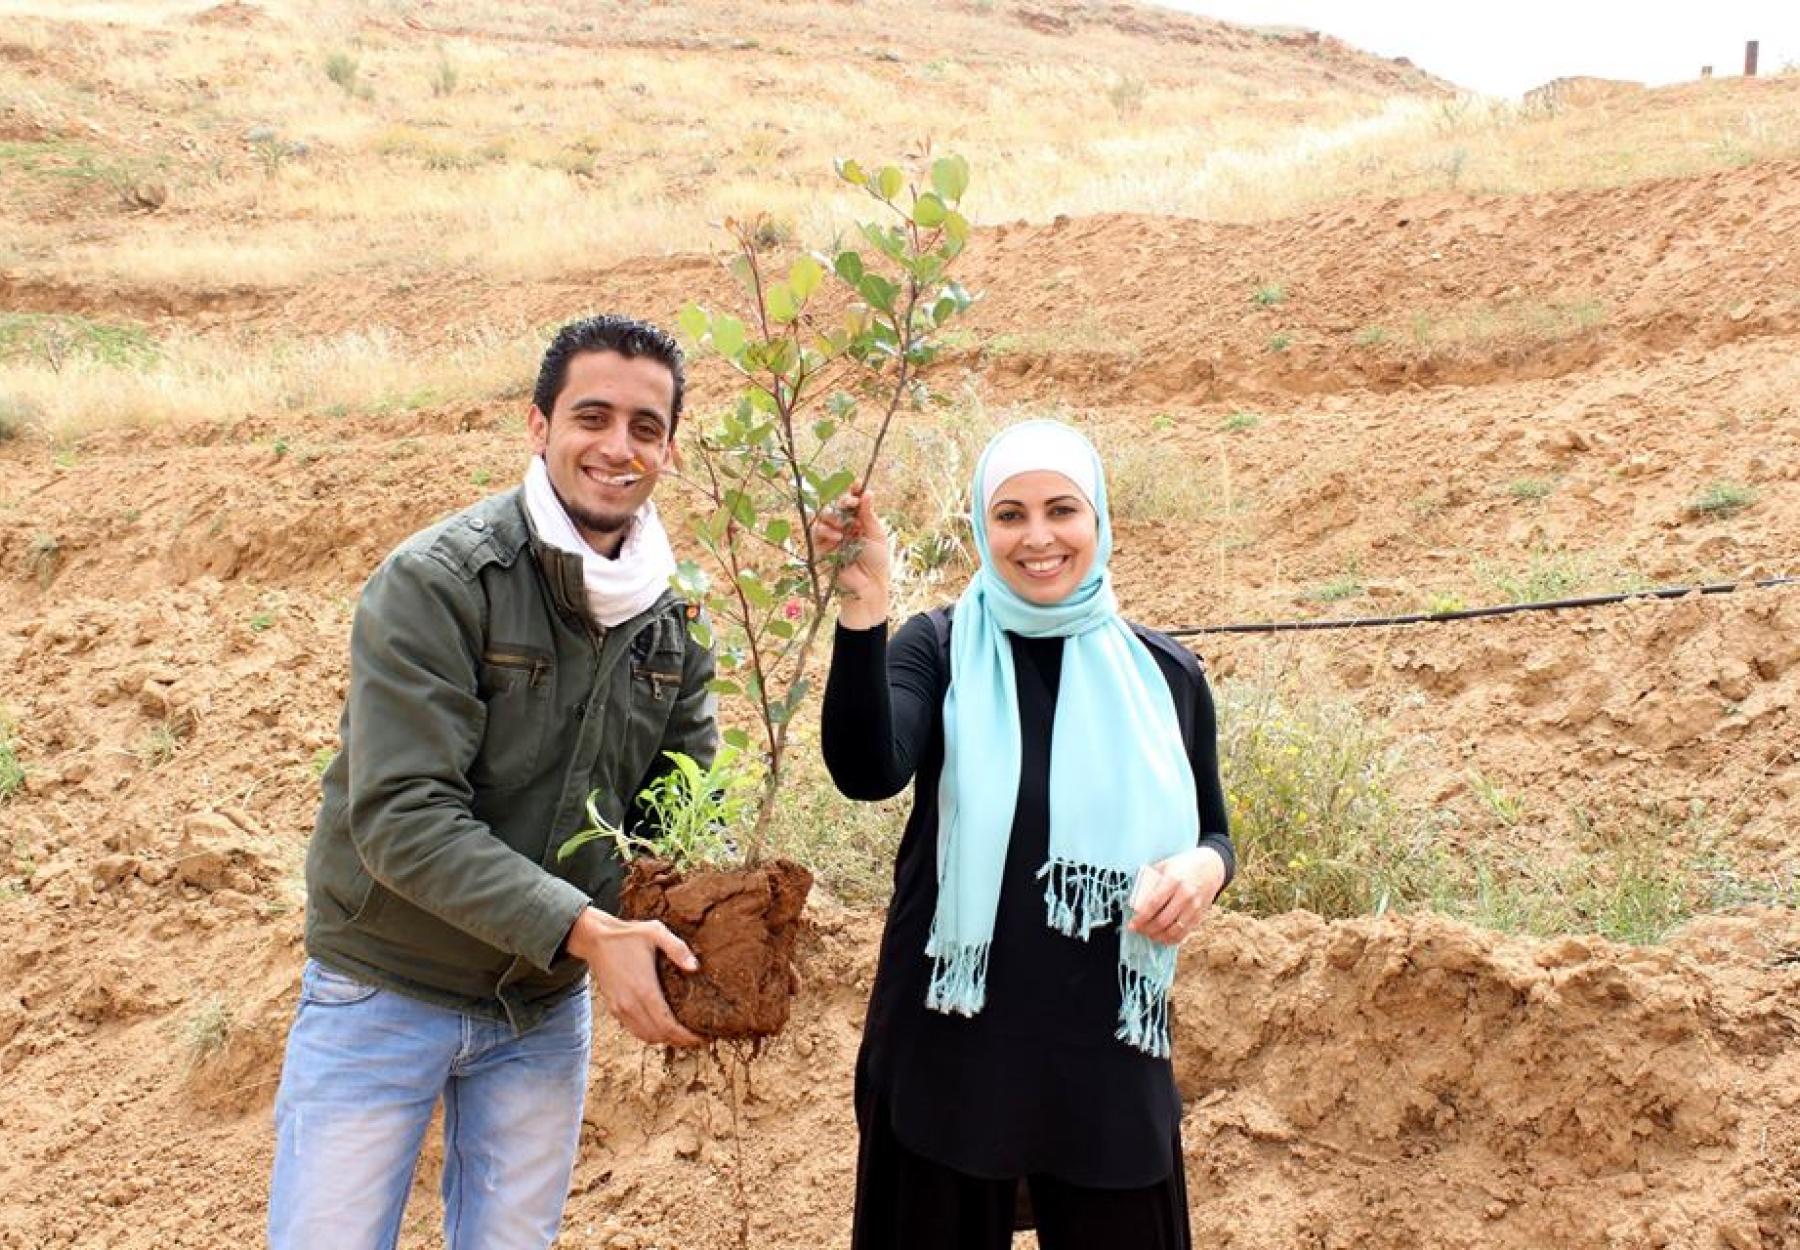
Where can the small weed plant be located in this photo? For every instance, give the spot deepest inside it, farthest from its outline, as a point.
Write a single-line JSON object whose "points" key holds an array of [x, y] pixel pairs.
{"points": [[445, 77], [1722, 500], [1550, 575], [206, 1030], [12, 771], [695, 813], [158, 746], [1347, 585]]}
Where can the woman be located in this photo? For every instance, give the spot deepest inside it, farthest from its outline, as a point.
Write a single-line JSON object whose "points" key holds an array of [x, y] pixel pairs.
{"points": [[1067, 831]]}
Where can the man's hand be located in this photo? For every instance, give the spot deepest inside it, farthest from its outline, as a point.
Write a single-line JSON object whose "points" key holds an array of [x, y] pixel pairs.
{"points": [[1186, 884], [621, 955]]}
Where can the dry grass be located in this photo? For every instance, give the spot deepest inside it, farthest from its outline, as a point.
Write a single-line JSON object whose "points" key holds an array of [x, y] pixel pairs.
{"points": [[537, 162], [197, 379], [535, 158]]}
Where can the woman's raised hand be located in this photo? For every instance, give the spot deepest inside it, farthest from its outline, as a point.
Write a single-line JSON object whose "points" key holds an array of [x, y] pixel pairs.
{"points": [[851, 526]]}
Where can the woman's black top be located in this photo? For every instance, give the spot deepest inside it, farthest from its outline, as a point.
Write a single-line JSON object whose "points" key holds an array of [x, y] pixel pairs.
{"points": [[1035, 1082]]}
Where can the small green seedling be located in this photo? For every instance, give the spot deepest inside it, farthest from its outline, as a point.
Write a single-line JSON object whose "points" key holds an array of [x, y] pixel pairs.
{"points": [[698, 814]]}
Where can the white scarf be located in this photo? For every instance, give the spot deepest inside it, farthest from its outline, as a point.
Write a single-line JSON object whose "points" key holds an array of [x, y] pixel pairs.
{"points": [[618, 588]]}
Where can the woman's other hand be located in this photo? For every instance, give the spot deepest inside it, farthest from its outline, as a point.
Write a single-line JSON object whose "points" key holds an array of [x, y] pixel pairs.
{"points": [[852, 527], [1184, 888]]}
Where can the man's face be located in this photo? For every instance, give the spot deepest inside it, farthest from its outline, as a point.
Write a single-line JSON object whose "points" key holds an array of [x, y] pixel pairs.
{"points": [[607, 441]]}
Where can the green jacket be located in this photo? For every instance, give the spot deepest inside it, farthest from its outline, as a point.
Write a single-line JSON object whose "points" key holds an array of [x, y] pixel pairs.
{"points": [[485, 704]]}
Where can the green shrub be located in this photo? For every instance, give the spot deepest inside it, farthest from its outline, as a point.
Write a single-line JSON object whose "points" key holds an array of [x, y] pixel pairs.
{"points": [[1310, 788], [341, 67]]}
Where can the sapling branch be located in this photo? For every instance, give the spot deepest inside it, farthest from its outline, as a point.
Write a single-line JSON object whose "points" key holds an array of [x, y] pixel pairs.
{"points": [[765, 470]]}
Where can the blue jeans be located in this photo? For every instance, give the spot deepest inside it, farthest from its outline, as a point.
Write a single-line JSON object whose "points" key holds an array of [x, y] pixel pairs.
{"points": [[364, 1069]]}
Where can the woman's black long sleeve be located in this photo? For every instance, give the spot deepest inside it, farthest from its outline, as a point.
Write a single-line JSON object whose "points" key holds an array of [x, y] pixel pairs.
{"points": [[881, 708]]}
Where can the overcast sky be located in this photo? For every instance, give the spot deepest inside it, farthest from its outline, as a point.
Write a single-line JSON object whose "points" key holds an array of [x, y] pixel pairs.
{"points": [[1510, 47]]}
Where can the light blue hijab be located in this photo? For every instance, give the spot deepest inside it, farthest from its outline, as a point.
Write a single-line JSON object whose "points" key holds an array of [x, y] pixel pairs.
{"points": [[1121, 787]]}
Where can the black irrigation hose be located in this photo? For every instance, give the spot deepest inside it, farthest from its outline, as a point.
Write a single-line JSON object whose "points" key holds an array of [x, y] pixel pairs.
{"points": [[1469, 614]]}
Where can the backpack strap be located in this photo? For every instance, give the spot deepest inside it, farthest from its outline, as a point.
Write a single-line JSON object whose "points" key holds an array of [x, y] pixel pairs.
{"points": [[940, 629], [1190, 663]]}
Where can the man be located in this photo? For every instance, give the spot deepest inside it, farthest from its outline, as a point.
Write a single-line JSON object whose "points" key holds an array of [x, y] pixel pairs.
{"points": [[503, 664]]}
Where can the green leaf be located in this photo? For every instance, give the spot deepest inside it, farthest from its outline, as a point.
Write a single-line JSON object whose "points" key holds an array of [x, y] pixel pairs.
{"points": [[782, 356], [741, 507], [690, 771], [781, 627], [927, 269], [728, 336], [950, 178], [849, 266], [736, 739], [754, 590], [693, 321], [778, 530], [724, 685], [780, 301], [744, 271], [823, 429], [890, 181], [956, 228], [701, 633], [690, 580], [836, 484], [929, 211], [804, 277], [878, 291], [891, 243], [851, 172]]}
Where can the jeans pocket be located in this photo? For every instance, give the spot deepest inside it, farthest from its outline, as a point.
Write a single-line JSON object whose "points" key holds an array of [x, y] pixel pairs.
{"points": [[326, 987]]}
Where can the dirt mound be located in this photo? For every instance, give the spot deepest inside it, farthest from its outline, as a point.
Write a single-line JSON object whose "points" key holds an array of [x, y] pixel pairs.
{"points": [[1437, 1086], [232, 15], [1454, 290]]}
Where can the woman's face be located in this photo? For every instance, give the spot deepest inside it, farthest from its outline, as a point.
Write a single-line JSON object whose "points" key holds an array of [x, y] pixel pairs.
{"points": [[1042, 534]]}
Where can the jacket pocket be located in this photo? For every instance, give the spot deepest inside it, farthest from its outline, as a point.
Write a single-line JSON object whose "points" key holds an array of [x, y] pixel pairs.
{"points": [[517, 683]]}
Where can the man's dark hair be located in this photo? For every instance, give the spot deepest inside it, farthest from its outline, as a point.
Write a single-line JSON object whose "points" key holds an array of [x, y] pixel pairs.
{"points": [[607, 333]]}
